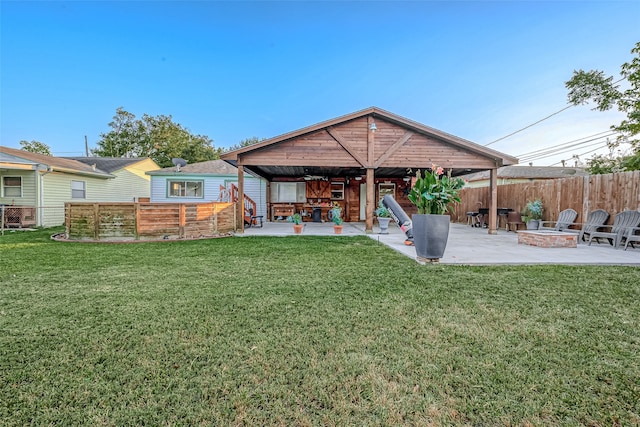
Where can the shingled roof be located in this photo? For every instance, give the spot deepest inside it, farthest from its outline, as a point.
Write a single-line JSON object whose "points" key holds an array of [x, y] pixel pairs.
{"points": [[108, 164], [59, 164], [528, 172], [210, 167]]}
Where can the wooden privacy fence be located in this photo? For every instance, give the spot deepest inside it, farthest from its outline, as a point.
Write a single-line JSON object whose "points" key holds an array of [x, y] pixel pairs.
{"points": [[139, 221], [612, 192]]}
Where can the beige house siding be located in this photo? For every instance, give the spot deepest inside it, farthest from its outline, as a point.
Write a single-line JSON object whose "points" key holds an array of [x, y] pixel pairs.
{"points": [[129, 183], [501, 181]]}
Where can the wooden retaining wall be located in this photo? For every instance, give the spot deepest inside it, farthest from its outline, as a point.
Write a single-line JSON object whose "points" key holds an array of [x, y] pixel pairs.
{"points": [[612, 192], [140, 221]]}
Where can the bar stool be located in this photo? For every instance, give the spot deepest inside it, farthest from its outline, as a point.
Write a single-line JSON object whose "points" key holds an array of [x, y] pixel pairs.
{"points": [[472, 218]]}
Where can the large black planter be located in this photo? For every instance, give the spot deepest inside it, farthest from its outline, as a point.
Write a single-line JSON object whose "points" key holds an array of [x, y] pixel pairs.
{"points": [[430, 235]]}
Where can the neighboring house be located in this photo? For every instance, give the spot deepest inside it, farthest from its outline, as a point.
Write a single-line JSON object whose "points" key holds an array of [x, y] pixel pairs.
{"points": [[47, 182], [208, 181], [519, 174]]}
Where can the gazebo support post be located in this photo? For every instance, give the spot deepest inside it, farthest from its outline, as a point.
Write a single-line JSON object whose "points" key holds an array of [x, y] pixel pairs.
{"points": [[240, 201], [493, 201], [371, 192]]}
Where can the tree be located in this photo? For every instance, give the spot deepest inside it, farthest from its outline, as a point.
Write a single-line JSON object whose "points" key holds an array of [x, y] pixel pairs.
{"points": [[35, 147], [595, 86], [245, 143], [156, 137]]}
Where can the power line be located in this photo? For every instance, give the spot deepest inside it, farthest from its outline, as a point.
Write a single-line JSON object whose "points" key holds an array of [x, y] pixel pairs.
{"points": [[598, 142], [542, 120], [563, 149], [582, 154], [532, 124], [610, 132]]}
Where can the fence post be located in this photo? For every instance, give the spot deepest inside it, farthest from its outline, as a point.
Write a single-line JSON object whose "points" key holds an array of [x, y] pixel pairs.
{"points": [[182, 219], [96, 221]]}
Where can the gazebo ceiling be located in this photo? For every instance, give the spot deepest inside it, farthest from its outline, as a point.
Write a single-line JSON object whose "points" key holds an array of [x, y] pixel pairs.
{"points": [[273, 173]]}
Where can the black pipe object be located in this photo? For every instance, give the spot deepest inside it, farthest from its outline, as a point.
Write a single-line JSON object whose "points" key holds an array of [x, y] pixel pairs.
{"points": [[399, 216]]}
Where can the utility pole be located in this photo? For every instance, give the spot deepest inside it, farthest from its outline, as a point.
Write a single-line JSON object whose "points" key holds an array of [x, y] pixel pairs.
{"points": [[86, 147]]}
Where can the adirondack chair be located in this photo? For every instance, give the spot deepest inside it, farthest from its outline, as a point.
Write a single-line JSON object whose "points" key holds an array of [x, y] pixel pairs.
{"points": [[622, 223], [633, 235], [595, 220], [565, 219]]}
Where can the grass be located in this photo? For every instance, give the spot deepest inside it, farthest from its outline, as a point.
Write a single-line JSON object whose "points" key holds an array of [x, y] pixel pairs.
{"points": [[308, 331]]}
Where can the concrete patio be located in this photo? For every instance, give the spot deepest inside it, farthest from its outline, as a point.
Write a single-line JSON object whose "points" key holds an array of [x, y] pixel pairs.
{"points": [[472, 246]]}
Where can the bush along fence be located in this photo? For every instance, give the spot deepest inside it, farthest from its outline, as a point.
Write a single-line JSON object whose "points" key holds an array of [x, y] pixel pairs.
{"points": [[612, 192], [147, 221]]}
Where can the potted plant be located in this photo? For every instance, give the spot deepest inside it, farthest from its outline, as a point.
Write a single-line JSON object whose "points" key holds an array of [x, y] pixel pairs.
{"points": [[532, 214], [432, 194], [296, 219], [335, 213], [384, 217]]}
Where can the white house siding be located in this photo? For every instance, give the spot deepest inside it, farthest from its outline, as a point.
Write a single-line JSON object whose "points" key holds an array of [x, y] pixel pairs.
{"points": [[253, 187], [28, 188]]}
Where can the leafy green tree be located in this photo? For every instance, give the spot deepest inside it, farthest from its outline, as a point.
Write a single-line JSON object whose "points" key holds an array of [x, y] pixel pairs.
{"points": [[245, 143], [595, 86], [35, 147], [157, 137]]}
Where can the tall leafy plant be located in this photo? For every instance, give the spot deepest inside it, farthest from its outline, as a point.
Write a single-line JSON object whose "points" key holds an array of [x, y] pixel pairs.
{"points": [[434, 192]]}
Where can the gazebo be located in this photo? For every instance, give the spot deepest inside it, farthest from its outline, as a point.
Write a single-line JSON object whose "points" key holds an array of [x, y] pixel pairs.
{"points": [[355, 159]]}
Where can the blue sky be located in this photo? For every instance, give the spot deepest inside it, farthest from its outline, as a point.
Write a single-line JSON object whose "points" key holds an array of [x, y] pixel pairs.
{"points": [[234, 70]]}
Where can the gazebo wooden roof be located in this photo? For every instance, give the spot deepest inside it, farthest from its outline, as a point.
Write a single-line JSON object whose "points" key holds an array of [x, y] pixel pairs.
{"points": [[371, 142], [346, 146]]}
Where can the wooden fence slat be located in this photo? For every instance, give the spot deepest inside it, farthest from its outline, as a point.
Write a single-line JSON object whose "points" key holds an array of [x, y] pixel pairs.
{"points": [[121, 220], [611, 192]]}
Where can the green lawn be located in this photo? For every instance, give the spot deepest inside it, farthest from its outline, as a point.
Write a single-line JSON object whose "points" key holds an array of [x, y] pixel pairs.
{"points": [[301, 331]]}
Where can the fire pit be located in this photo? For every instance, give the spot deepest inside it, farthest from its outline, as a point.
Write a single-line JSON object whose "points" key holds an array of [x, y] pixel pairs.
{"points": [[548, 239]]}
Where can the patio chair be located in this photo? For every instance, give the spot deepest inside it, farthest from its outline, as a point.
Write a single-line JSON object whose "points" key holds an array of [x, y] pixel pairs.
{"points": [[633, 235], [514, 220], [565, 219], [595, 220], [622, 223], [254, 220]]}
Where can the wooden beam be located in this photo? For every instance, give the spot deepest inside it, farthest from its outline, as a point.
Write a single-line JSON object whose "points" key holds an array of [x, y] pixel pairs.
{"points": [[399, 143], [493, 201], [240, 201], [345, 144], [371, 141], [371, 192]]}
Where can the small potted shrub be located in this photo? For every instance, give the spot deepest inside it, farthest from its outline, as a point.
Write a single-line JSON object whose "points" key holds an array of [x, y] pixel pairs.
{"points": [[532, 214], [384, 217], [296, 219], [336, 218]]}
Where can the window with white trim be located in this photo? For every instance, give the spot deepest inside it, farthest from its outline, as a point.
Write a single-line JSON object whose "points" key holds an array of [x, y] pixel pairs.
{"points": [[288, 192], [78, 190], [12, 186], [185, 188]]}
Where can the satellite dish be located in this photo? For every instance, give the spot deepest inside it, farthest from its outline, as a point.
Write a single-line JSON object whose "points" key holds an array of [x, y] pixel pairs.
{"points": [[178, 163]]}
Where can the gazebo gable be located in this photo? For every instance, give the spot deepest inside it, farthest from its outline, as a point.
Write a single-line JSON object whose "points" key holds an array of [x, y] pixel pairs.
{"points": [[371, 138]]}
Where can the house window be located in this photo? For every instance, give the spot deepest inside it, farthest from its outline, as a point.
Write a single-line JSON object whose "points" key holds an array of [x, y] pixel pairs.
{"points": [[288, 192], [78, 190], [12, 186], [385, 188], [186, 189], [337, 190]]}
